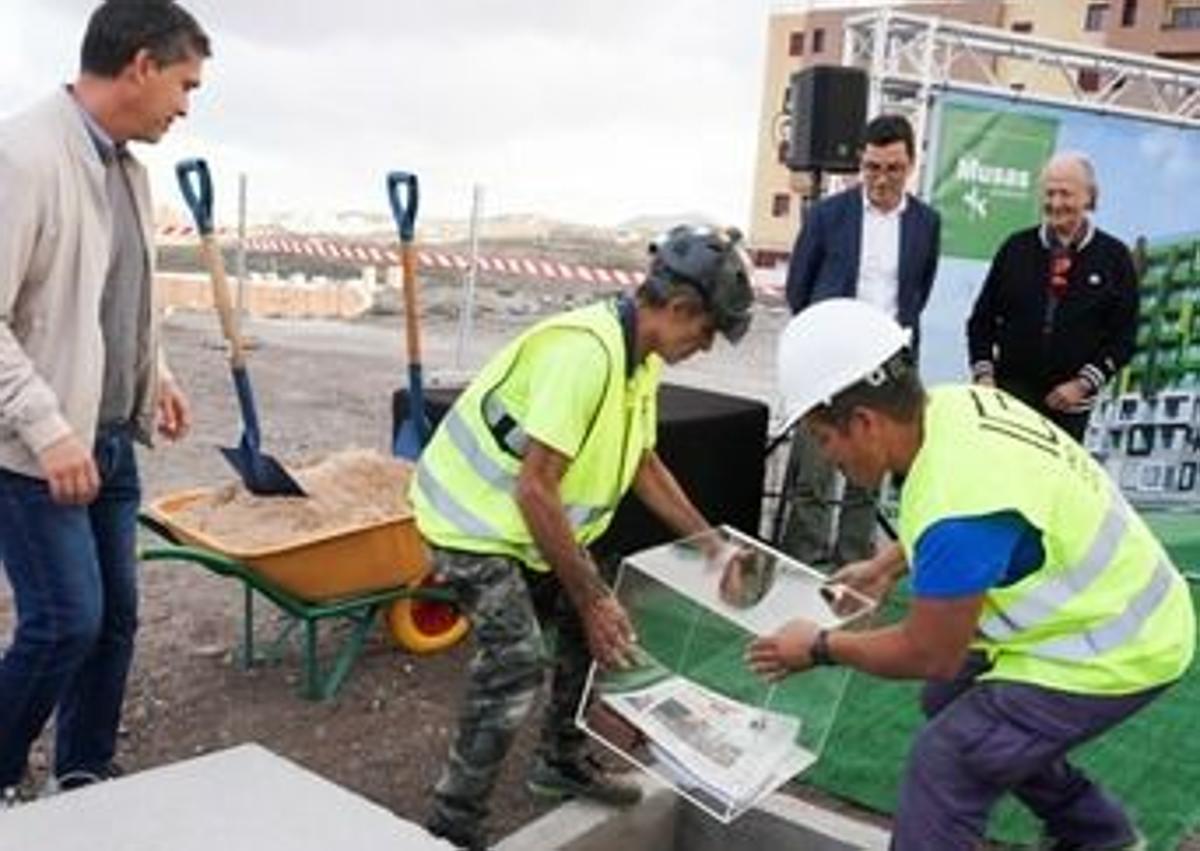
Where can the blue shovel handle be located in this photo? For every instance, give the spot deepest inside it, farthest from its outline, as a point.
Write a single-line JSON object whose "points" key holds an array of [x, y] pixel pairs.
{"points": [[404, 203], [245, 396], [196, 185]]}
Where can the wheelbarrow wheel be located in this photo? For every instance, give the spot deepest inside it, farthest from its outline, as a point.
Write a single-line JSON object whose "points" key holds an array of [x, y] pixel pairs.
{"points": [[425, 626]]}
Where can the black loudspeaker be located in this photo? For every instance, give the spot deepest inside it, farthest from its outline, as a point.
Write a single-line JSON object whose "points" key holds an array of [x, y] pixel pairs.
{"points": [[828, 106], [714, 444]]}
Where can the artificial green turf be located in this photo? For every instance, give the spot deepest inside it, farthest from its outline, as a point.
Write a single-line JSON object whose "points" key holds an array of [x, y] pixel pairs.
{"points": [[1180, 534]]}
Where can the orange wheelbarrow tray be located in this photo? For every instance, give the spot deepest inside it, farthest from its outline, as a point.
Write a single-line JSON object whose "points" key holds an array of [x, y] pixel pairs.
{"points": [[352, 573]]}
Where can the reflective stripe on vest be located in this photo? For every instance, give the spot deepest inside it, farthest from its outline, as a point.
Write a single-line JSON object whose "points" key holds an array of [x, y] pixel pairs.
{"points": [[1115, 632], [449, 507], [1045, 601], [486, 468]]}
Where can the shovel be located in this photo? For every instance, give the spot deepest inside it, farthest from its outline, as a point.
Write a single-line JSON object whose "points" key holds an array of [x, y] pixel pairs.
{"points": [[414, 430], [261, 473]]}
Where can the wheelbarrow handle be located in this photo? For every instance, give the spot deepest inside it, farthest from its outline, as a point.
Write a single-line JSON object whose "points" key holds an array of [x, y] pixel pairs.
{"points": [[402, 193], [196, 185]]}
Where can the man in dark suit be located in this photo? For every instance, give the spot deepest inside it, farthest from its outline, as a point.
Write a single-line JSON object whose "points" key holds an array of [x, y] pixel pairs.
{"points": [[874, 242]]}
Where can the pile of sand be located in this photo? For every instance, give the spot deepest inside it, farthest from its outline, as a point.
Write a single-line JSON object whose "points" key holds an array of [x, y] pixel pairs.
{"points": [[348, 488]]}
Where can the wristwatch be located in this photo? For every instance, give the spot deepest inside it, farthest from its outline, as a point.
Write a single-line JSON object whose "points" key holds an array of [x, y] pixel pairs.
{"points": [[819, 651]]}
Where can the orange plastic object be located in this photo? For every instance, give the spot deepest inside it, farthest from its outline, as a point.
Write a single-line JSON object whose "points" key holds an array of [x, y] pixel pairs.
{"points": [[347, 562]]}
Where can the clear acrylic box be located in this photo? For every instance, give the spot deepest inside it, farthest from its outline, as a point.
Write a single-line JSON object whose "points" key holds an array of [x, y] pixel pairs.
{"points": [[690, 711]]}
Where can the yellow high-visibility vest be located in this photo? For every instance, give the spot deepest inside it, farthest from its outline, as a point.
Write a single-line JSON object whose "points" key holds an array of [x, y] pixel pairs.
{"points": [[1106, 612], [463, 489]]}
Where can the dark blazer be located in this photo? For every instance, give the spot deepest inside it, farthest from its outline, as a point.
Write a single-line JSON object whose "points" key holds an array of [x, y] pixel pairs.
{"points": [[825, 260]]}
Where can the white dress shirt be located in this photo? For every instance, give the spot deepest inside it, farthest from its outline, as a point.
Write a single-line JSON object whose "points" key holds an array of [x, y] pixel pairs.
{"points": [[879, 257]]}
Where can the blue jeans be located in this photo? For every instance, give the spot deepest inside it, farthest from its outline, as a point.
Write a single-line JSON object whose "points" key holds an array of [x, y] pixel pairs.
{"points": [[73, 571]]}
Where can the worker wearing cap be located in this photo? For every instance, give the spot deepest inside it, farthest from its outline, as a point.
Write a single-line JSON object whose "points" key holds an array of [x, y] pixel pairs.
{"points": [[525, 471], [1044, 611]]}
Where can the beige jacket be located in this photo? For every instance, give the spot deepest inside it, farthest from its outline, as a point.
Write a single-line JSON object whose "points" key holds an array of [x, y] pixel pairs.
{"points": [[55, 244]]}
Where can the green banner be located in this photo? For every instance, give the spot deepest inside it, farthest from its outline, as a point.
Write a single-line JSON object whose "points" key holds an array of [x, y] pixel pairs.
{"points": [[986, 177]]}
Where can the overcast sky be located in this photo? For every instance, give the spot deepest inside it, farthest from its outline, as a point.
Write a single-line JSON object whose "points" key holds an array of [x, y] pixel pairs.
{"points": [[584, 110]]}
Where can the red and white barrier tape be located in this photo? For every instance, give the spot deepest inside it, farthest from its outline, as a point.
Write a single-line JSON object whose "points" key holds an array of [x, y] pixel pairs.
{"points": [[366, 253], [432, 259]]}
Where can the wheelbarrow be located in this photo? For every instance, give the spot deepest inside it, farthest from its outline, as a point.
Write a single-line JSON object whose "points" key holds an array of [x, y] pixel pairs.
{"points": [[353, 574]]}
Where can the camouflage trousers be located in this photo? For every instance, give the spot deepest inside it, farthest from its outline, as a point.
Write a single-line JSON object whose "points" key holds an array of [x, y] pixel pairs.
{"points": [[508, 606]]}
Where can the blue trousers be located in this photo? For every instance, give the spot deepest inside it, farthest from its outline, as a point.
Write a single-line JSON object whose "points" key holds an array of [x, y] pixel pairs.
{"points": [[73, 572], [986, 738]]}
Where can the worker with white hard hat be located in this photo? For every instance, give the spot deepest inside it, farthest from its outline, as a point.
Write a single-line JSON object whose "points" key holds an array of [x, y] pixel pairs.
{"points": [[1043, 610]]}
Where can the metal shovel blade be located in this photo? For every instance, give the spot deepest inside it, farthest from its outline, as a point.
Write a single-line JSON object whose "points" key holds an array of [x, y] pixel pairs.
{"points": [[262, 474], [414, 430]]}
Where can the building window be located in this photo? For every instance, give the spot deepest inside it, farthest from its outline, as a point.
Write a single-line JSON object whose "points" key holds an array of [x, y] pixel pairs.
{"points": [[1185, 18], [781, 204], [796, 43], [1093, 19], [818, 42], [1129, 13], [1022, 26], [781, 153], [1089, 80]]}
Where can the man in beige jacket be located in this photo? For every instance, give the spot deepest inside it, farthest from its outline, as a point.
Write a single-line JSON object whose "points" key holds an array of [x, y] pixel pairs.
{"points": [[81, 378]]}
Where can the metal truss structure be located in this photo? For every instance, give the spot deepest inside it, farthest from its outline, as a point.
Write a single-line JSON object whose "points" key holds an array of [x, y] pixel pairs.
{"points": [[909, 57]]}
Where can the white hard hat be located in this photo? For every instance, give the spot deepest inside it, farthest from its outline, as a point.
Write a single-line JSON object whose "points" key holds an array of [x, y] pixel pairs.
{"points": [[829, 346]]}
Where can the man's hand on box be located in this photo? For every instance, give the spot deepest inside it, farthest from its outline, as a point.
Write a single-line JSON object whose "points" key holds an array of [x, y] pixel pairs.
{"points": [[610, 635], [787, 650], [870, 577]]}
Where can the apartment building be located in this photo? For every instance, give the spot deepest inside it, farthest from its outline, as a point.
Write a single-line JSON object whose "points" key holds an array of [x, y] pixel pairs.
{"points": [[811, 33]]}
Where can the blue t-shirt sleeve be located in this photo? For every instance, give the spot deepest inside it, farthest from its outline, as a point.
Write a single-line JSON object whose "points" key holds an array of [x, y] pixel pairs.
{"points": [[964, 556]]}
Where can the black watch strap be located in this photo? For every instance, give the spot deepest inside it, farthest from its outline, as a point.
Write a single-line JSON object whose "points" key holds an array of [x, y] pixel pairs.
{"points": [[819, 651]]}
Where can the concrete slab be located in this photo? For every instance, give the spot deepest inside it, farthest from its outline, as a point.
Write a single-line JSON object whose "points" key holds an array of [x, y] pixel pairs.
{"points": [[242, 799]]}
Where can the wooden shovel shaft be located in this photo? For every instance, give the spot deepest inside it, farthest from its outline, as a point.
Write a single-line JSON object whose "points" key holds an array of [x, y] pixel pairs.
{"points": [[412, 325], [211, 253]]}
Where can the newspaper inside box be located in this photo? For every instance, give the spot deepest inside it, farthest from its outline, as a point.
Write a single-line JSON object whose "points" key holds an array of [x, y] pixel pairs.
{"points": [[690, 711]]}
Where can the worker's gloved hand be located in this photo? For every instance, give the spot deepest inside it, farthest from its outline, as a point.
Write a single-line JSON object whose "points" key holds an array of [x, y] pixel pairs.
{"points": [[774, 656], [746, 576], [871, 577], [610, 635]]}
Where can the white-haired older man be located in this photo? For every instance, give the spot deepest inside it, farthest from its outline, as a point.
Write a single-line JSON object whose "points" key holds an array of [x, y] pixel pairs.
{"points": [[1057, 316]]}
